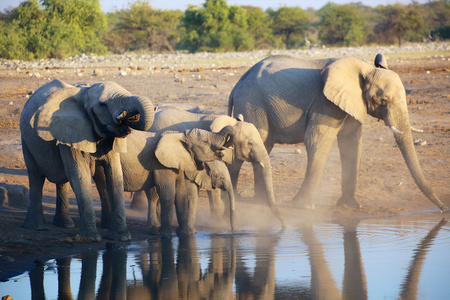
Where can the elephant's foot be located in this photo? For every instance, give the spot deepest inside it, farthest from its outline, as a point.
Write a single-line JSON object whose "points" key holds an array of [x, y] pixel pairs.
{"points": [[119, 235], [37, 223], [348, 201], [186, 230], [63, 221], [302, 204], [91, 235], [166, 231], [154, 230]]}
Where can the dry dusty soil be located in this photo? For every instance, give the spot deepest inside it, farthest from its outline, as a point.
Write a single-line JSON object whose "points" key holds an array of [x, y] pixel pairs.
{"points": [[385, 185]]}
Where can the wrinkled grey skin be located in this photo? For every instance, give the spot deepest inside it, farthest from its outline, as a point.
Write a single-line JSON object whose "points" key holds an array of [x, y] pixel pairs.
{"points": [[248, 146], [173, 164], [291, 100], [67, 131], [214, 178]]}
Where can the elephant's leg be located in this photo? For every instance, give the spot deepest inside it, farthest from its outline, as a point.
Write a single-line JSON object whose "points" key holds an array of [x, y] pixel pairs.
{"points": [[153, 219], [166, 191], [260, 183], [76, 166], [114, 182], [216, 205], [234, 169], [100, 183], [349, 142], [62, 217], [35, 213], [186, 206], [139, 201], [318, 142]]}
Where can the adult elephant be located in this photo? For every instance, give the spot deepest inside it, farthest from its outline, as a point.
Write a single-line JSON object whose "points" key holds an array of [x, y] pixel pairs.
{"points": [[174, 164], [292, 100], [66, 131], [248, 146]]}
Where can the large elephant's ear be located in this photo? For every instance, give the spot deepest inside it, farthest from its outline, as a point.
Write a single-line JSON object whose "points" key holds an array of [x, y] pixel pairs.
{"points": [[63, 118], [172, 153], [221, 122], [344, 80], [201, 178]]}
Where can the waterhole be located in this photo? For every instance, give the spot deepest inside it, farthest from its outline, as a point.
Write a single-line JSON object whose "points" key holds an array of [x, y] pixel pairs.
{"points": [[394, 257]]}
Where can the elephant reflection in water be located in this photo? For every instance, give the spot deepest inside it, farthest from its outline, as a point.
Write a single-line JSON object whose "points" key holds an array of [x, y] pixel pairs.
{"points": [[323, 285], [262, 284], [167, 276]]}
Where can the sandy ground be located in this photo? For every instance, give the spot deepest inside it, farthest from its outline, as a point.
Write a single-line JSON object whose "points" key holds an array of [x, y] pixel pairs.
{"points": [[385, 185]]}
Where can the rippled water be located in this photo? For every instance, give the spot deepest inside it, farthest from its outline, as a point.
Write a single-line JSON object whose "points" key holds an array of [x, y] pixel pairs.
{"points": [[375, 258]]}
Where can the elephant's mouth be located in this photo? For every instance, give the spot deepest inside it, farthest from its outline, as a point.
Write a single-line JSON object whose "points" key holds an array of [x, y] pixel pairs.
{"points": [[106, 131], [124, 117]]}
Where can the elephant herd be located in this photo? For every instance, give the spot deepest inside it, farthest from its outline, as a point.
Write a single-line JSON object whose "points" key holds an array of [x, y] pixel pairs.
{"points": [[71, 135]]}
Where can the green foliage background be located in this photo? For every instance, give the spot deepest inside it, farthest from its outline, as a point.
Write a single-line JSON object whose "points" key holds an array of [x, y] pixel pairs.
{"points": [[39, 29]]}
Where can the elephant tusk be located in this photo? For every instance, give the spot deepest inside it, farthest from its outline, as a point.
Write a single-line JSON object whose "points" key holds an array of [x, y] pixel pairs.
{"points": [[122, 115], [416, 129], [261, 164], [395, 130]]}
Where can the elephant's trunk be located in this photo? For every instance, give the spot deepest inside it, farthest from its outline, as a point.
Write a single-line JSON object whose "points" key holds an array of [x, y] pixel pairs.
{"points": [[228, 135], [137, 112], [232, 200], [261, 162], [406, 146]]}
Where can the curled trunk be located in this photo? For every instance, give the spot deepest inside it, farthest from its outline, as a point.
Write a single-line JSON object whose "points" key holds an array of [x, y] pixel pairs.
{"points": [[137, 112]]}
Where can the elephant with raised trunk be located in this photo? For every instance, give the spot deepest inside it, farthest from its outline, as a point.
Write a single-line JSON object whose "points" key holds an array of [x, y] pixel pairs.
{"points": [[292, 100], [67, 131]]}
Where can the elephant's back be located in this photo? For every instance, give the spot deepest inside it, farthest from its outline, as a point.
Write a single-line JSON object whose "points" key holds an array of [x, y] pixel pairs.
{"points": [[176, 119], [276, 94]]}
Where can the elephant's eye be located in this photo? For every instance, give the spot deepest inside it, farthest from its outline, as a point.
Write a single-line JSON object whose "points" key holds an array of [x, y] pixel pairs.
{"points": [[384, 102]]}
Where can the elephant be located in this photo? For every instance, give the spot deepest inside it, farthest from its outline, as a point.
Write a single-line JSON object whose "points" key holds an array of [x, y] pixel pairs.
{"points": [[66, 131], [214, 178], [175, 164], [292, 100], [248, 146]]}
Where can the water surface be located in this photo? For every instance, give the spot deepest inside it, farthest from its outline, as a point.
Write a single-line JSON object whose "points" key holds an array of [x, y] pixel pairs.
{"points": [[393, 257]]}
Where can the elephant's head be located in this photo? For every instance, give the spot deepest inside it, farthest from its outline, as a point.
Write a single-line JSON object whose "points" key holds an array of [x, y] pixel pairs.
{"points": [[82, 116], [187, 151], [248, 146], [359, 88]]}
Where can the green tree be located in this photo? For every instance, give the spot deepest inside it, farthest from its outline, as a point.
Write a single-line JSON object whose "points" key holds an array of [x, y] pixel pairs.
{"points": [[57, 28], [142, 28], [289, 21], [438, 19], [341, 25], [215, 27], [399, 21], [259, 27]]}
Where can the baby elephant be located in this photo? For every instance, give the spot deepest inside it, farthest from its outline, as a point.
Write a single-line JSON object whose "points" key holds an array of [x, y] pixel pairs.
{"points": [[214, 178]]}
